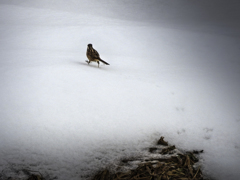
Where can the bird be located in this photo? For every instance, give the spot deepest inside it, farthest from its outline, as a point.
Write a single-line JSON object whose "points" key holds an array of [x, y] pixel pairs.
{"points": [[93, 55]]}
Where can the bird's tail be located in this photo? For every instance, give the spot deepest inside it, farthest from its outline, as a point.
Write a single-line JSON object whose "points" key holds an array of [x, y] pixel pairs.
{"points": [[103, 62]]}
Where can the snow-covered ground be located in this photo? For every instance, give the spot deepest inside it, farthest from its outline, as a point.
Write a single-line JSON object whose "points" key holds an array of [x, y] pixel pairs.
{"points": [[174, 72]]}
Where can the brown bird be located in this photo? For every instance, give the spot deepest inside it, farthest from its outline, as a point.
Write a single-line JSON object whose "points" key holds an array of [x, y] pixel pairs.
{"points": [[93, 55]]}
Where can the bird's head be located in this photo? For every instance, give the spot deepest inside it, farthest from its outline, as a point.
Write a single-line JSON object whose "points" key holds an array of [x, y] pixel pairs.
{"points": [[89, 45]]}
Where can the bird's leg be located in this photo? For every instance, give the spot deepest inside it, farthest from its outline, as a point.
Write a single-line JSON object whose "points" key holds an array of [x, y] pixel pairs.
{"points": [[98, 63]]}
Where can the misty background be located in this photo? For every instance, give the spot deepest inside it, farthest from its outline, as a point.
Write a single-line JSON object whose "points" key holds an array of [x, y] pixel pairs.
{"points": [[174, 72]]}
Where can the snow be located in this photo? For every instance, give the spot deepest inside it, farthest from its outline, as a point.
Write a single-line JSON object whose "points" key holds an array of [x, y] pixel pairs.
{"points": [[174, 72]]}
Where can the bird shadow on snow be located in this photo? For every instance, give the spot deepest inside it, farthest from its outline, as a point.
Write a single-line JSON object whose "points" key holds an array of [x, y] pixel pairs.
{"points": [[89, 65]]}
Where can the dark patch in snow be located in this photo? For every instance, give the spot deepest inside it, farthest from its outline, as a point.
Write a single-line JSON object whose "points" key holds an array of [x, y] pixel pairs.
{"points": [[180, 109], [208, 129], [181, 131]]}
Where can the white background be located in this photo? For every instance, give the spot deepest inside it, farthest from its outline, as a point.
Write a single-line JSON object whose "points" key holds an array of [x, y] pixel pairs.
{"points": [[174, 72]]}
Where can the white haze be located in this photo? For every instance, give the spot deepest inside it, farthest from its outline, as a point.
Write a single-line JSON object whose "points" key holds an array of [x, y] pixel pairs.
{"points": [[174, 72]]}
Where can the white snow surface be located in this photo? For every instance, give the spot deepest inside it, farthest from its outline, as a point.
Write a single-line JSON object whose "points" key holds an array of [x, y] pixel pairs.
{"points": [[174, 72]]}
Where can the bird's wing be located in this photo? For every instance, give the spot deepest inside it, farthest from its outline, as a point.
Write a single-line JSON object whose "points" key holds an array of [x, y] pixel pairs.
{"points": [[95, 54]]}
